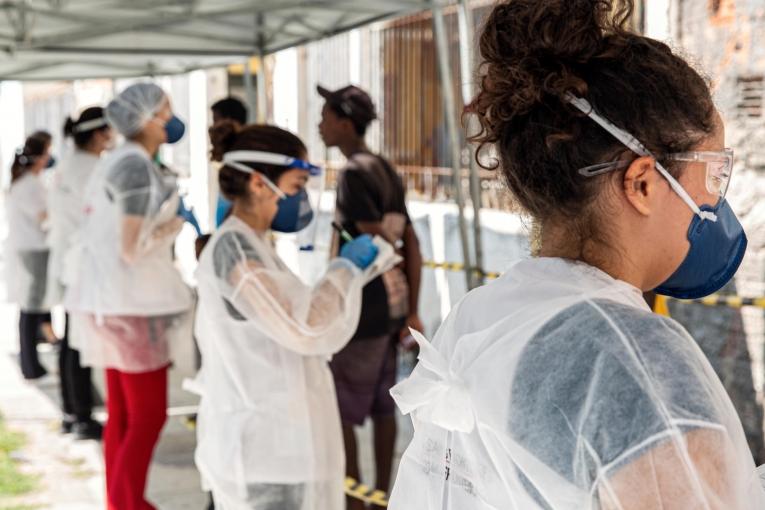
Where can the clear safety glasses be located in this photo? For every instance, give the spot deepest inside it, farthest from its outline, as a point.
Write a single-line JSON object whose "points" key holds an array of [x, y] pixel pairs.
{"points": [[719, 168]]}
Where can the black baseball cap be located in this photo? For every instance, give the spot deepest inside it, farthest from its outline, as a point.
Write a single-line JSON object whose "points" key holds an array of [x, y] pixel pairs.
{"points": [[351, 102]]}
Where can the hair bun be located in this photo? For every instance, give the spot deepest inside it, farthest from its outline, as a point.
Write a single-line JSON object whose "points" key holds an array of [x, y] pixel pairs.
{"points": [[531, 48], [222, 136], [69, 127]]}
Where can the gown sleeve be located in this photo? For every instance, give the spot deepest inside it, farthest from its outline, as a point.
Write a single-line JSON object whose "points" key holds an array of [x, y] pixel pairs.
{"points": [[310, 320]]}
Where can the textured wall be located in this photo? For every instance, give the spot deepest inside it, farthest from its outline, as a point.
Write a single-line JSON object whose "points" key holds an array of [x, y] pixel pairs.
{"points": [[726, 38]]}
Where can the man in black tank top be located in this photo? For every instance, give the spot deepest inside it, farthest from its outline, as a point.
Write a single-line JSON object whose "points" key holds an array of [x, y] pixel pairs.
{"points": [[371, 200]]}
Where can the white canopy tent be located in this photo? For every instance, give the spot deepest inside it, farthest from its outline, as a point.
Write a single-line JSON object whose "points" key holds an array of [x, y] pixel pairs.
{"points": [[47, 40], [70, 39]]}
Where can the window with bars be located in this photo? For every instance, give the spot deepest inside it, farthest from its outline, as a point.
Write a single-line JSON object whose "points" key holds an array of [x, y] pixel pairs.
{"points": [[751, 97]]}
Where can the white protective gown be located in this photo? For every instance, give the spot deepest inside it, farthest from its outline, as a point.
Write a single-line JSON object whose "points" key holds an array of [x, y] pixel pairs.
{"points": [[66, 205], [268, 428], [555, 387], [127, 312], [25, 248]]}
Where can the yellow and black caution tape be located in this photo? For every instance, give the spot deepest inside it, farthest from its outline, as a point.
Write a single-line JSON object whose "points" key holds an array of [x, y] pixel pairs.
{"points": [[661, 305], [728, 301], [358, 490], [459, 267]]}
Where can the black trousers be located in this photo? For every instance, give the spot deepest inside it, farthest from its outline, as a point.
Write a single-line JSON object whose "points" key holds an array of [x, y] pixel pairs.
{"points": [[30, 334], [76, 386]]}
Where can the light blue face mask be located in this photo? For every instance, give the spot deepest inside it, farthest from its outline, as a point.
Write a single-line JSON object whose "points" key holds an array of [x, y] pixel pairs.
{"points": [[295, 211], [717, 239]]}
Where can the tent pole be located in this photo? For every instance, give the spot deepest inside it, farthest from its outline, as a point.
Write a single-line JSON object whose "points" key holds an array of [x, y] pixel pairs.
{"points": [[249, 91], [447, 88], [262, 99], [465, 20]]}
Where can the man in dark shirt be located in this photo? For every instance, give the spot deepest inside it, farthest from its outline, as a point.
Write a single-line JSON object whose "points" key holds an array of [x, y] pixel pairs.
{"points": [[371, 200]]}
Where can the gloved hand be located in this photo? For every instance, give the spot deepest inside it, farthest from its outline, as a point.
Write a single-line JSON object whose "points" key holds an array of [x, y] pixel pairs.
{"points": [[361, 251], [189, 216]]}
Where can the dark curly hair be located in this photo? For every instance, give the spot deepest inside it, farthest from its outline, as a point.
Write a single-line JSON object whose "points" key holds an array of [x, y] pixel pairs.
{"points": [[226, 136], [534, 52], [83, 138]]}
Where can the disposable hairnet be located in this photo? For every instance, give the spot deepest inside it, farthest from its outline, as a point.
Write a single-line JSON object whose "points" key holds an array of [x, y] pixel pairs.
{"points": [[134, 106], [556, 388]]}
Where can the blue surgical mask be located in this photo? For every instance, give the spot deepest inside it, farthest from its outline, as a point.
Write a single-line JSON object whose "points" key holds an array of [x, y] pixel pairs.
{"points": [[717, 249], [175, 129], [295, 213], [717, 239]]}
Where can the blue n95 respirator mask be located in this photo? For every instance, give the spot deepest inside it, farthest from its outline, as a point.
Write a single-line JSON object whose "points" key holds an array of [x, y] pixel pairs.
{"points": [[295, 212], [174, 129], [717, 239]]}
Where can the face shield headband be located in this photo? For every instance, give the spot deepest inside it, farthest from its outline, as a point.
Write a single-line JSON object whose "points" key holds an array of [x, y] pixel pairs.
{"points": [[90, 125], [236, 160]]}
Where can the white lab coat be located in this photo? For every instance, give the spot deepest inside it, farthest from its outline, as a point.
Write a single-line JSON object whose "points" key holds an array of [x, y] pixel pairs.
{"points": [[27, 252], [268, 428], [555, 387], [66, 206], [127, 315]]}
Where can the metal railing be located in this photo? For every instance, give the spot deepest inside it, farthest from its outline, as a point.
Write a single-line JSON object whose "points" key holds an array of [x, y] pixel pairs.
{"points": [[434, 184]]}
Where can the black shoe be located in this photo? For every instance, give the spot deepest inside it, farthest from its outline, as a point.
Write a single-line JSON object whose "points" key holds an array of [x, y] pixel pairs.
{"points": [[89, 429]]}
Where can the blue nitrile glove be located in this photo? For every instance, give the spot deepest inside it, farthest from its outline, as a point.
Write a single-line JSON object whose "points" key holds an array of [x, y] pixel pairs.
{"points": [[189, 216], [361, 251]]}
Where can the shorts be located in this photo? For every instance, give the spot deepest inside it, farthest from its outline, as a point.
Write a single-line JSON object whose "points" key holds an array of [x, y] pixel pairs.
{"points": [[364, 372]]}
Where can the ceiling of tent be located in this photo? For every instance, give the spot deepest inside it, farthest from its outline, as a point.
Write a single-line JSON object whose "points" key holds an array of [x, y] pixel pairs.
{"points": [[68, 39]]}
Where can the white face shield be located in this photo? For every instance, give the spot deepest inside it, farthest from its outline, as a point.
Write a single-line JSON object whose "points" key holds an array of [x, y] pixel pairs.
{"points": [[242, 160]]}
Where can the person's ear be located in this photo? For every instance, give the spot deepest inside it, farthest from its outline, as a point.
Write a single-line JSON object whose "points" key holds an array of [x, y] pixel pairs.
{"points": [[257, 185], [641, 183], [348, 126]]}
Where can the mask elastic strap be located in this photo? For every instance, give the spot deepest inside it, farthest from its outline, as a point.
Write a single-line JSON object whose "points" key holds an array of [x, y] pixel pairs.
{"points": [[246, 169], [638, 148]]}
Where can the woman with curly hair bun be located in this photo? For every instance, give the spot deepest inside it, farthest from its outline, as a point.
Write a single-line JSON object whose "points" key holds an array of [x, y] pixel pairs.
{"points": [[555, 387]]}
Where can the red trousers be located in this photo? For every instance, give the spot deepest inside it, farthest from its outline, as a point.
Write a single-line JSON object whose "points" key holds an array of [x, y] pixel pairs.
{"points": [[137, 408]]}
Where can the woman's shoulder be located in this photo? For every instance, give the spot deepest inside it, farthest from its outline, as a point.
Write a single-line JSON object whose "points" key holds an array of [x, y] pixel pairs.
{"points": [[27, 186], [231, 244], [129, 169], [630, 336], [614, 377]]}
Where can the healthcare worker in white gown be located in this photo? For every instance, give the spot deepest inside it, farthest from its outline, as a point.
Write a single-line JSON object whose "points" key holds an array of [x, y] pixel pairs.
{"points": [[26, 254], [91, 136], [268, 428], [555, 387], [128, 302]]}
